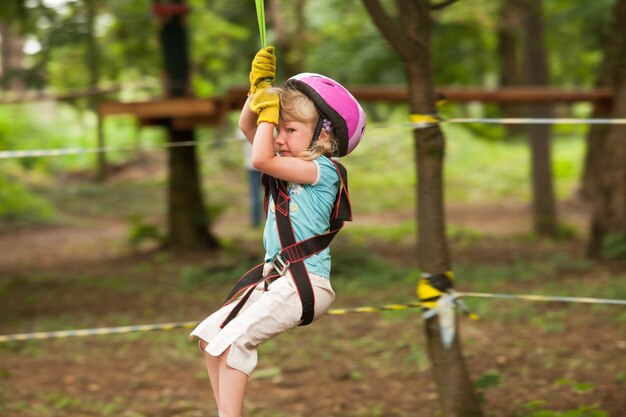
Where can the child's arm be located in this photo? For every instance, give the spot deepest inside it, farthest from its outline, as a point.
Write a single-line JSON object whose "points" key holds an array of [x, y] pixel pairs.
{"points": [[285, 168], [247, 121]]}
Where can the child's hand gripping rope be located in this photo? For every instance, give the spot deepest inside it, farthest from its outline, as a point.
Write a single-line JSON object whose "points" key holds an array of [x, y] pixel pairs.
{"points": [[263, 68], [262, 75]]}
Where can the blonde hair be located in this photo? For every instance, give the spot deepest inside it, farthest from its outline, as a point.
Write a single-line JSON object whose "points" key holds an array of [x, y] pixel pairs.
{"points": [[296, 106]]}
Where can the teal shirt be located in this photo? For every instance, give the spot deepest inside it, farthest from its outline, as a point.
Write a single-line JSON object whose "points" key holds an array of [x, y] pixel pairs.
{"points": [[309, 209]]}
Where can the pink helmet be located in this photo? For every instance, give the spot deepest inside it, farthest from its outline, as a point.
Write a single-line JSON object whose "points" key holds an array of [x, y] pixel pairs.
{"points": [[336, 104]]}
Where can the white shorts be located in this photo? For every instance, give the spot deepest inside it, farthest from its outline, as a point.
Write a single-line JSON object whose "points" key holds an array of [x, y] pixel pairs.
{"points": [[267, 313]]}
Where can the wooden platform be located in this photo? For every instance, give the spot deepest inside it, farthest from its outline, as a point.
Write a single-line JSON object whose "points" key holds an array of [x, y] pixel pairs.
{"points": [[188, 112]]}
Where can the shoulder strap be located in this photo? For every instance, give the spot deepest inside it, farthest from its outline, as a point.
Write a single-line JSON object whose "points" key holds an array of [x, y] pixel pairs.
{"points": [[293, 253], [299, 273]]}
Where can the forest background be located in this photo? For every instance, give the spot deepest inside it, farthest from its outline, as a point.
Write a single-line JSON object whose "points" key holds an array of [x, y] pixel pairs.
{"points": [[77, 252]]}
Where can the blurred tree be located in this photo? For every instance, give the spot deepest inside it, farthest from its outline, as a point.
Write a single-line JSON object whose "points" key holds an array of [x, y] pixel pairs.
{"points": [[597, 134], [608, 224], [128, 47], [464, 42], [409, 34], [188, 221], [12, 57], [535, 64], [13, 26], [93, 63], [224, 40], [582, 26], [341, 41], [509, 51]]}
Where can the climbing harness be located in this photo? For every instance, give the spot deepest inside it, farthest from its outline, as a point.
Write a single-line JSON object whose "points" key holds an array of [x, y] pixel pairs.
{"points": [[347, 121], [293, 253]]}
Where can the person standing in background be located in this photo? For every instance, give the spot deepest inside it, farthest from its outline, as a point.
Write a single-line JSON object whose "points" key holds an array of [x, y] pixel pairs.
{"points": [[254, 184]]}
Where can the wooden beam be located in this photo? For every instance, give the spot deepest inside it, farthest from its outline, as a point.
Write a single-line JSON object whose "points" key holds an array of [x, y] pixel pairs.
{"points": [[164, 108], [189, 123], [187, 112]]}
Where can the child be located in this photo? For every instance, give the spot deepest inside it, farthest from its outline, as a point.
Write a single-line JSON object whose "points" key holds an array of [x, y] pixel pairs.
{"points": [[294, 132]]}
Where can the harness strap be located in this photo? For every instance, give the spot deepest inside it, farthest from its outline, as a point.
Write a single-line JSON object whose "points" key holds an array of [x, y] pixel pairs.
{"points": [[299, 273], [342, 212], [247, 283], [293, 253]]}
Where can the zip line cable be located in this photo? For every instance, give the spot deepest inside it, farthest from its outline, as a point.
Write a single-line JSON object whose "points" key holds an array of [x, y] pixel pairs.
{"points": [[560, 299], [333, 312], [538, 121], [13, 154]]}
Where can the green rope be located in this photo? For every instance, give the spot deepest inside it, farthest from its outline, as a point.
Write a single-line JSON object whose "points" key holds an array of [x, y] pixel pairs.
{"points": [[260, 14]]}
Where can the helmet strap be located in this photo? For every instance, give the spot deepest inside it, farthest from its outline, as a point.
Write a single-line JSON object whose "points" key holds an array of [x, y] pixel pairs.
{"points": [[318, 131]]}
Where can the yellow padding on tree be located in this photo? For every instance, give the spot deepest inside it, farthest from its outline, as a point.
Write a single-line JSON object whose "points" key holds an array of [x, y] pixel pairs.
{"points": [[423, 119], [427, 294]]}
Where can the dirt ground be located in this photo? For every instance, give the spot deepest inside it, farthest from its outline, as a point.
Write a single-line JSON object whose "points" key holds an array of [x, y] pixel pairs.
{"points": [[351, 365]]}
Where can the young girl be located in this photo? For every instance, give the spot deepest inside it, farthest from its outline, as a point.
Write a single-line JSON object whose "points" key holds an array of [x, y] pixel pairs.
{"points": [[294, 131]]}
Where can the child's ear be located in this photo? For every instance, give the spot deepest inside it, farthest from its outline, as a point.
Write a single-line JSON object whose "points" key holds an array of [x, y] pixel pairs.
{"points": [[324, 136]]}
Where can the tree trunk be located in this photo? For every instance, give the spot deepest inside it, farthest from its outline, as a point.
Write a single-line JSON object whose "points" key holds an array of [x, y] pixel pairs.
{"points": [[609, 199], [595, 144], [536, 69], [597, 134], [188, 222], [456, 391], [411, 38], [92, 61], [509, 36], [11, 59]]}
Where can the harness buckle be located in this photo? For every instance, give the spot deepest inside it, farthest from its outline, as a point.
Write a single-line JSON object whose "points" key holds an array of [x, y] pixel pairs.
{"points": [[280, 265]]}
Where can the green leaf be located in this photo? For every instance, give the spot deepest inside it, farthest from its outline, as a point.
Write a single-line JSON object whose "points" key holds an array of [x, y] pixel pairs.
{"points": [[489, 380]]}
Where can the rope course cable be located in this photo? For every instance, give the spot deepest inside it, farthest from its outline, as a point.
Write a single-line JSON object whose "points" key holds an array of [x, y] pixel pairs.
{"points": [[538, 121], [530, 297], [417, 121], [334, 312], [77, 151]]}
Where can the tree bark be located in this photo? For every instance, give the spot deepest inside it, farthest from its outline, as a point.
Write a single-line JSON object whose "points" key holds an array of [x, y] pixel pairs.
{"points": [[411, 38], [597, 134], [509, 45], [609, 197], [92, 62], [11, 59], [595, 143], [536, 69], [188, 222]]}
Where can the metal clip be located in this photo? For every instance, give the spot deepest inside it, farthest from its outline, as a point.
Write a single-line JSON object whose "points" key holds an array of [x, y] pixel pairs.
{"points": [[280, 265]]}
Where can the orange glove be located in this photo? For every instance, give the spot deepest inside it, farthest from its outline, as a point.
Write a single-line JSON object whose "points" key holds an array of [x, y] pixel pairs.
{"points": [[263, 68]]}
